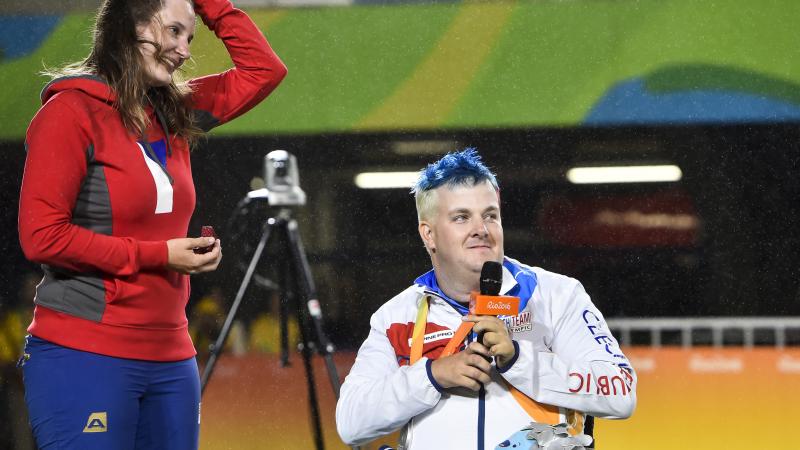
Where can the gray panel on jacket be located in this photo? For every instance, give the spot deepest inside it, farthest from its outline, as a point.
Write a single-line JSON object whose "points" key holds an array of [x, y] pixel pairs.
{"points": [[93, 206], [204, 120], [81, 294], [71, 293]]}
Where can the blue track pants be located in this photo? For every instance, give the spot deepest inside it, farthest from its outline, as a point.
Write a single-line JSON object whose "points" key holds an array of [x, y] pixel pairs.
{"points": [[82, 400]]}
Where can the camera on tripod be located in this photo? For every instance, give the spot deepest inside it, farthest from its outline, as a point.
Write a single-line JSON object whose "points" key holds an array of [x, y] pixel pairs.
{"points": [[282, 181], [294, 279]]}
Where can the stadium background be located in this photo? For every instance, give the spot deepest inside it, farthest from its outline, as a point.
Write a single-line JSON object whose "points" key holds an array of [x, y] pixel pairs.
{"points": [[539, 87]]}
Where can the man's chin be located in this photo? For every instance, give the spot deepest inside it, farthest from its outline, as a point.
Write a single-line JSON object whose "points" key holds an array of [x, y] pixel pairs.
{"points": [[476, 264]]}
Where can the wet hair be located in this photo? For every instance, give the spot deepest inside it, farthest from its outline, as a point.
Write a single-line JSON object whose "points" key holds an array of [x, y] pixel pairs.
{"points": [[462, 168], [115, 57]]}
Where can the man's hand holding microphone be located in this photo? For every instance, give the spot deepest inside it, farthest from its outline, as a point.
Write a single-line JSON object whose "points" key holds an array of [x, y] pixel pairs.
{"points": [[470, 367]]}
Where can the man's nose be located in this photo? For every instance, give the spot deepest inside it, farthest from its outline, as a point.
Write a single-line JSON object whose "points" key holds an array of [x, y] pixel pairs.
{"points": [[479, 228]]}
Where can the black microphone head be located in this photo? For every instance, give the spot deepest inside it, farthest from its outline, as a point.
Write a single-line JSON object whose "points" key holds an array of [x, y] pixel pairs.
{"points": [[491, 278]]}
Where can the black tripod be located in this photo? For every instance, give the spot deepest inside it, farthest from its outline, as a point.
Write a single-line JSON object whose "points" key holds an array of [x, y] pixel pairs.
{"points": [[296, 282]]}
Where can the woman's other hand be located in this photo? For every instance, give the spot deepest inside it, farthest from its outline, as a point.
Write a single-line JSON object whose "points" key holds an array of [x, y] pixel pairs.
{"points": [[182, 257]]}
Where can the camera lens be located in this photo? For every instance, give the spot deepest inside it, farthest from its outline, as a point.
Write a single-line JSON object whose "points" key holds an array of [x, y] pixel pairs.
{"points": [[280, 168]]}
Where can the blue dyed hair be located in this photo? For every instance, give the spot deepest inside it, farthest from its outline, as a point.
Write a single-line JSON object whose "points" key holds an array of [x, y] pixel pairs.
{"points": [[455, 168]]}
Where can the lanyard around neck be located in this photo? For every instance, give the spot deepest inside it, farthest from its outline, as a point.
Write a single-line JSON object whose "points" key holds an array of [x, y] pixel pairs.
{"points": [[539, 412], [418, 335]]}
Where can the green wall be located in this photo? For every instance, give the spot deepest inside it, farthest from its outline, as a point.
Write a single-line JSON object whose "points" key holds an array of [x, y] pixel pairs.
{"points": [[472, 64]]}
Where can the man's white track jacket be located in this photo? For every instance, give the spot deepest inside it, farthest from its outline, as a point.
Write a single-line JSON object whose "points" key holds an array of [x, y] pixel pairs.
{"points": [[566, 357]]}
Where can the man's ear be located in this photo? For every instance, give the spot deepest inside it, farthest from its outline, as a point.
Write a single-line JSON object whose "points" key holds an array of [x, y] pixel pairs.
{"points": [[426, 233]]}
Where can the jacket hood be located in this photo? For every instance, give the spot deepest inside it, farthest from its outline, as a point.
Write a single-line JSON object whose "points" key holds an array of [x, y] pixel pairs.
{"points": [[90, 84]]}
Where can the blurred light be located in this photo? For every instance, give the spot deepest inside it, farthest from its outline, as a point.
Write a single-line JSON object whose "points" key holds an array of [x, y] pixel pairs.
{"points": [[424, 147], [386, 180], [624, 174], [645, 220]]}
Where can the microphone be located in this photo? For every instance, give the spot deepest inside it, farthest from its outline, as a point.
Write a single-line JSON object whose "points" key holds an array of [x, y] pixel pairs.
{"points": [[491, 278], [488, 302]]}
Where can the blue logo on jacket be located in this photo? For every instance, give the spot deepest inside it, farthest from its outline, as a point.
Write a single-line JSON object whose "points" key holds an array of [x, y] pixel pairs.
{"points": [[160, 149]]}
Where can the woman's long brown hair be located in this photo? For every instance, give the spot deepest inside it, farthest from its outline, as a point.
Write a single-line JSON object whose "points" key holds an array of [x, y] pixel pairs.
{"points": [[116, 58]]}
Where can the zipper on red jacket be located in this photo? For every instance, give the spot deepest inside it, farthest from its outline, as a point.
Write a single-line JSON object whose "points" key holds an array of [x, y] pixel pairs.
{"points": [[151, 152]]}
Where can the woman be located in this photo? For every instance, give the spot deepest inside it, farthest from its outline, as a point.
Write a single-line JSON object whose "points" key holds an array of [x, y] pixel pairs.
{"points": [[105, 205]]}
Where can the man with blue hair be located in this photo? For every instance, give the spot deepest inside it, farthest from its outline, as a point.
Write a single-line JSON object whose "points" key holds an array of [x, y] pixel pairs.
{"points": [[527, 382]]}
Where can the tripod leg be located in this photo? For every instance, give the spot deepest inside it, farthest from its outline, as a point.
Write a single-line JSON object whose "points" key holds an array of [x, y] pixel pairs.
{"points": [[313, 402], [283, 313], [303, 271], [306, 349], [325, 346], [218, 346]]}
